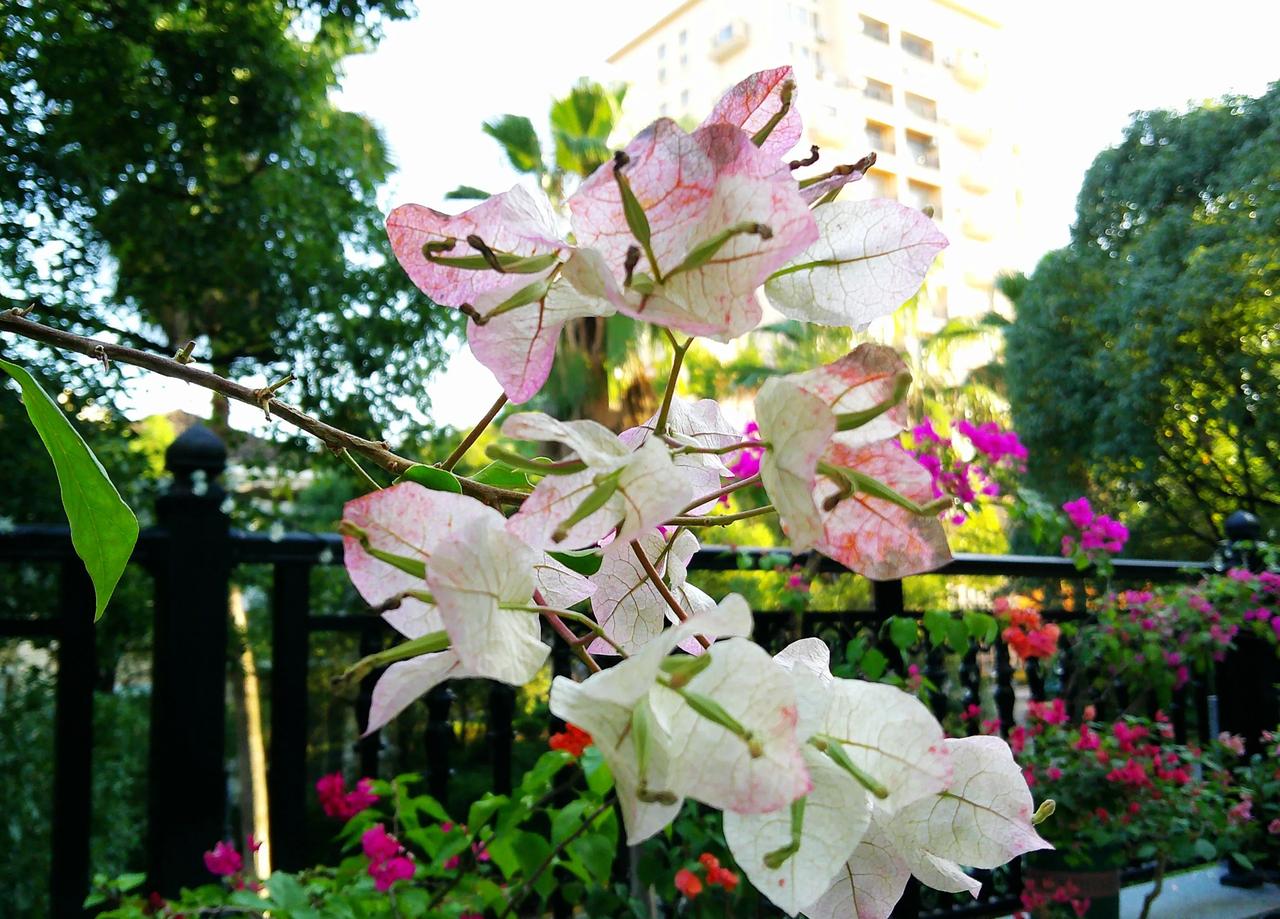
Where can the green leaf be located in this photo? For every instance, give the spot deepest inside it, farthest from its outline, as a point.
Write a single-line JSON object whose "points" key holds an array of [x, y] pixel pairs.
{"points": [[127, 882], [500, 475], [855, 649], [957, 635], [936, 623], [599, 778], [902, 632], [519, 140], [483, 809], [103, 529], [466, 193], [586, 562], [595, 851], [1205, 849], [874, 664], [286, 891], [982, 627], [432, 477]]}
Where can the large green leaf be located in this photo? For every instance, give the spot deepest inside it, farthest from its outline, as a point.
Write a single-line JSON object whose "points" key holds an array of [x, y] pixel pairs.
{"points": [[103, 529], [520, 141]]}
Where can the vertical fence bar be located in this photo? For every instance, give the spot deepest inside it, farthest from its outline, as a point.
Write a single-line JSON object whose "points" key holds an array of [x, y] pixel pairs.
{"points": [[1035, 679], [73, 743], [368, 746], [971, 680], [1004, 688], [439, 741], [287, 767], [502, 704], [187, 781]]}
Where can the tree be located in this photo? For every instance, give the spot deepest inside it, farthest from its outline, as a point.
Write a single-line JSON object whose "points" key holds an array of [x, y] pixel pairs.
{"points": [[1145, 358], [175, 171]]}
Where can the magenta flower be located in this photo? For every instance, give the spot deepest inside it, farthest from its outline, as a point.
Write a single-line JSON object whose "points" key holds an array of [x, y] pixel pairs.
{"points": [[223, 860], [1079, 512], [384, 874], [337, 802], [379, 845]]}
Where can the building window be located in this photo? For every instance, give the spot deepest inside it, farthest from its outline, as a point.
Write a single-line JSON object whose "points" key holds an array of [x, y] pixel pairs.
{"points": [[881, 92], [883, 184], [917, 47], [684, 60], [684, 37], [874, 28], [662, 74], [924, 108], [662, 51], [662, 109], [880, 137], [684, 99], [923, 149], [925, 197]]}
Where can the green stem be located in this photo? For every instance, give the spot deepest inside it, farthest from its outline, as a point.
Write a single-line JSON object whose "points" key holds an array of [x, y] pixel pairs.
{"points": [[660, 425], [581, 618], [360, 472]]}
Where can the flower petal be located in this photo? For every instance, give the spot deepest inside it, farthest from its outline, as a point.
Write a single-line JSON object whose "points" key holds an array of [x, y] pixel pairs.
{"points": [[471, 577], [750, 104], [870, 535], [560, 586], [713, 765], [869, 885], [982, 820], [798, 426], [869, 259], [518, 221], [891, 736], [405, 681], [837, 813]]}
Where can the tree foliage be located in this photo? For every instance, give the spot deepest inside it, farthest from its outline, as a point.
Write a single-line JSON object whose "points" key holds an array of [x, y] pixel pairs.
{"points": [[175, 171], [1145, 358]]}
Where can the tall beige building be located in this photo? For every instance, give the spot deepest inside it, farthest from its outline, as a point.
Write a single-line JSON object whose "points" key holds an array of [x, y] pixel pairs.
{"points": [[917, 81]]}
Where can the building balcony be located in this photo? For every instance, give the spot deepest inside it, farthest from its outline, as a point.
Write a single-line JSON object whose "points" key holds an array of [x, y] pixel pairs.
{"points": [[972, 131], [977, 179], [970, 68], [731, 39]]}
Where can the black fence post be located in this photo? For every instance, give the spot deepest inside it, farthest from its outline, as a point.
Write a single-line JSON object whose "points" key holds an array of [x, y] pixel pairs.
{"points": [[73, 743], [502, 705], [287, 765], [187, 781]]}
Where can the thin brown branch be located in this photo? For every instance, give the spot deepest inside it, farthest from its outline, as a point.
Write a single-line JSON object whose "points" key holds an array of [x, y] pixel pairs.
{"points": [[335, 439], [461, 450], [662, 588]]}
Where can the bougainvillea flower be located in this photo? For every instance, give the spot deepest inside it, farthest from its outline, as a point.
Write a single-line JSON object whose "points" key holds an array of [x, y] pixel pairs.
{"points": [[753, 103], [712, 762], [223, 860], [639, 489], [873, 536], [982, 820], [698, 424], [721, 216], [888, 734], [800, 416], [869, 259], [605, 706], [516, 344], [837, 812], [473, 567], [627, 604]]}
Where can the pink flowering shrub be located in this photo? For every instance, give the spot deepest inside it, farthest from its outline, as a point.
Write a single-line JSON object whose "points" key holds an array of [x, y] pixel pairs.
{"points": [[1152, 643], [967, 463], [1122, 785], [1091, 537]]}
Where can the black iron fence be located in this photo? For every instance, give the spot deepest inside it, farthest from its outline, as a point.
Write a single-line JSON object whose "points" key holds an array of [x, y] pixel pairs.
{"points": [[192, 555]]}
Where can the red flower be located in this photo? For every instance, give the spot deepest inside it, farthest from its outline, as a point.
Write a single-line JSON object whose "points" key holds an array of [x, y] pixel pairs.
{"points": [[688, 883], [573, 740]]}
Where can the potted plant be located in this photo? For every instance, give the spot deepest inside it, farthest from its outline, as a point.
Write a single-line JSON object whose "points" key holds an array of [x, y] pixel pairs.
{"points": [[1124, 792]]}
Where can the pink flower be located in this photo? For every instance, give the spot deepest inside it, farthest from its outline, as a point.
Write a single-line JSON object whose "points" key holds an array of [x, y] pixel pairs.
{"points": [[1275, 626], [746, 462], [1270, 581], [1079, 512], [1054, 773], [1233, 742], [338, 802], [223, 860], [1243, 575], [1240, 813], [993, 443], [1089, 740], [378, 844], [1274, 827], [386, 873]]}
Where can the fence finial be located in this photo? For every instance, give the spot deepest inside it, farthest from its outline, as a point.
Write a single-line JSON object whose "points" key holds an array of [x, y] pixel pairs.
{"points": [[196, 459]]}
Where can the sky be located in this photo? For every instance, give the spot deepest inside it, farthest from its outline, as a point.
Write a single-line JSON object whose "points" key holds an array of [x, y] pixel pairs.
{"points": [[1077, 71]]}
